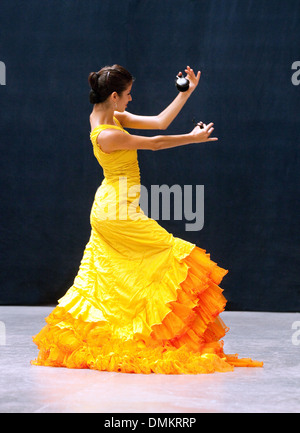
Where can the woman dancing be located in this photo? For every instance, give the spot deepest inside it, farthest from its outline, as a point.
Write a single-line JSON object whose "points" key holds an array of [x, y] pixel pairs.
{"points": [[143, 300]]}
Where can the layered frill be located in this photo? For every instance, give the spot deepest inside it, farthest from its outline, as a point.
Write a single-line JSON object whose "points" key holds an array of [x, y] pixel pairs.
{"points": [[179, 333]]}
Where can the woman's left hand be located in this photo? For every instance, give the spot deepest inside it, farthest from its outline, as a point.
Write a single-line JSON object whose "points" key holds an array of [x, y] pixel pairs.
{"points": [[193, 79]]}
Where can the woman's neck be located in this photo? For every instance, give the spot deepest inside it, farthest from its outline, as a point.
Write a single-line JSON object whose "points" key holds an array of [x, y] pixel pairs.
{"points": [[102, 115]]}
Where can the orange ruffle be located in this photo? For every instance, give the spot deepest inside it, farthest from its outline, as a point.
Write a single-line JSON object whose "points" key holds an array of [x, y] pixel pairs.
{"points": [[186, 341]]}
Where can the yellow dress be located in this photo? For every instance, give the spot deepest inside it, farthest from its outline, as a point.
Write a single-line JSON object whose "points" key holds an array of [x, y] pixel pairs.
{"points": [[143, 300]]}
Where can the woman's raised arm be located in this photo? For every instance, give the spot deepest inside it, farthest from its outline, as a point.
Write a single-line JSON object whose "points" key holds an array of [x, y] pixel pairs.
{"points": [[165, 118]]}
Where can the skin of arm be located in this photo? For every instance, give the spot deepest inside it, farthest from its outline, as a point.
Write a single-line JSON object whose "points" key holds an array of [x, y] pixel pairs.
{"points": [[166, 117], [161, 121], [112, 140]]}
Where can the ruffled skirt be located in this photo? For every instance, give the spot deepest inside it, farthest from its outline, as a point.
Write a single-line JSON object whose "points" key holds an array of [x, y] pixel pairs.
{"points": [[182, 336]]}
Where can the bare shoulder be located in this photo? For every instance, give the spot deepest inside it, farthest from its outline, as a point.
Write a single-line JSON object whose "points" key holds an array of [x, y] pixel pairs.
{"points": [[121, 117], [113, 139], [109, 138]]}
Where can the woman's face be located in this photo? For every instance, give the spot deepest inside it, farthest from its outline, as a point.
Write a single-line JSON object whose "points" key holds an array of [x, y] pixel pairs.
{"points": [[124, 98]]}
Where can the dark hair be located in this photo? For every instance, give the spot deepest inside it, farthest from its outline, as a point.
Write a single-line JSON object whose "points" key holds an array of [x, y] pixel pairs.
{"points": [[108, 80]]}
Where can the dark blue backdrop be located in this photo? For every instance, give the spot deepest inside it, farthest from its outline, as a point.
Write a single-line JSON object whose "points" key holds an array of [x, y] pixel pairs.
{"points": [[245, 50]]}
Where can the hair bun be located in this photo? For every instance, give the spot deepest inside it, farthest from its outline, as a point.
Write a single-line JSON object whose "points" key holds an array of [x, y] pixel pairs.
{"points": [[93, 80], [95, 97]]}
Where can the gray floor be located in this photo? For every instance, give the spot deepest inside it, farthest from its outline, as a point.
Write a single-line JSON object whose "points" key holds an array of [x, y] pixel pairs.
{"points": [[272, 338]]}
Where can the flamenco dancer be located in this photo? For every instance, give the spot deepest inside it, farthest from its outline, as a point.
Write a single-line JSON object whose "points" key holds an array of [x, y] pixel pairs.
{"points": [[143, 301]]}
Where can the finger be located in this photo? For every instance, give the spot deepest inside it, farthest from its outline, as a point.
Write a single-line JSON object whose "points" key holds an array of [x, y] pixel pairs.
{"points": [[213, 139], [209, 126], [190, 72]]}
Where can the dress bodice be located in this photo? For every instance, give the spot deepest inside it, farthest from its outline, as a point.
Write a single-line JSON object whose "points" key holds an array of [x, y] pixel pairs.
{"points": [[117, 163]]}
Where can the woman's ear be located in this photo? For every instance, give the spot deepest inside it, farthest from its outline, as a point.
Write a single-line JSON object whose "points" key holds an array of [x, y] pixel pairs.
{"points": [[114, 96]]}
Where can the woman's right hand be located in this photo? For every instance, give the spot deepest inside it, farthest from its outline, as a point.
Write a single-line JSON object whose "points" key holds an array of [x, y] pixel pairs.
{"points": [[199, 135]]}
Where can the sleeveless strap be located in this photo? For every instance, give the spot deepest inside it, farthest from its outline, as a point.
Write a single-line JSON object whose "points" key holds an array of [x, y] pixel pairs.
{"points": [[95, 132]]}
